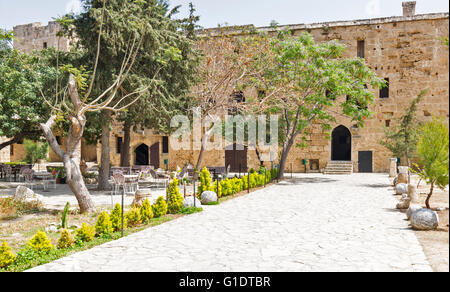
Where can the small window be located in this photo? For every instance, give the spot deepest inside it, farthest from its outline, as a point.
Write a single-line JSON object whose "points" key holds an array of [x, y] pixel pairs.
{"points": [[11, 150], [45, 46], [384, 92], [58, 140], [361, 49], [165, 145], [388, 123], [119, 142]]}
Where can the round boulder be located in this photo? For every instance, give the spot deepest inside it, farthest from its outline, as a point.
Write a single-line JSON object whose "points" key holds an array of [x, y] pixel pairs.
{"points": [[401, 189], [27, 195], [141, 195], [208, 197], [424, 219], [412, 209], [189, 202]]}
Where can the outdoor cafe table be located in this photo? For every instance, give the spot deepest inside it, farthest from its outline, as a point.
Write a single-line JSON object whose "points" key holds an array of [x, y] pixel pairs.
{"points": [[43, 176]]}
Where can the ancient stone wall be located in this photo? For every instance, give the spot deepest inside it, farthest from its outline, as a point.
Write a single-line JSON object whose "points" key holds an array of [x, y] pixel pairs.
{"points": [[35, 36], [406, 49]]}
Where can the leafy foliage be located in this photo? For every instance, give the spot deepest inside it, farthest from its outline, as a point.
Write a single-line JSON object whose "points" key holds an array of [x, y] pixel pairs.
{"points": [[146, 211], [116, 218], [304, 83], [64, 217], [134, 216], [205, 181], [433, 152], [6, 256], [402, 139], [66, 239], [159, 207], [103, 225], [35, 151], [175, 200], [40, 242], [85, 233]]}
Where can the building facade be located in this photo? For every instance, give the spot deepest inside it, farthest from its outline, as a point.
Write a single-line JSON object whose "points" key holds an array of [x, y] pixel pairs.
{"points": [[407, 51]]}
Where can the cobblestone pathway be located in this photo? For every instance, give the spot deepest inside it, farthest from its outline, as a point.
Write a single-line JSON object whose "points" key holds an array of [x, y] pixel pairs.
{"points": [[312, 223]]}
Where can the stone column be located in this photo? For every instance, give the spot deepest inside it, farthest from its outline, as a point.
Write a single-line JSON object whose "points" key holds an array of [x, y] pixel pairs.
{"points": [[393, 167]]}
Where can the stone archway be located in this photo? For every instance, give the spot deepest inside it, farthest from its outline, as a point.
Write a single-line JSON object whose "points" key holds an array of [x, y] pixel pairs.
{"points": [[341, 144], [142, 155]]}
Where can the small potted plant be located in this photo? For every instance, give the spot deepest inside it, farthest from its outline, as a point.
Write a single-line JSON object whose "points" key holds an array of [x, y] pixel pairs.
{"points": [[62, 176]]}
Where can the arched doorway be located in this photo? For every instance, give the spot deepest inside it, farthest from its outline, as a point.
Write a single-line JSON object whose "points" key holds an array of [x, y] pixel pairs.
{"points": [[341, 144], [142, 155]]}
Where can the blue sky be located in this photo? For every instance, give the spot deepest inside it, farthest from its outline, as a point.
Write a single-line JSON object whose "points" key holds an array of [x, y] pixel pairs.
{"points": [[234, 12]]}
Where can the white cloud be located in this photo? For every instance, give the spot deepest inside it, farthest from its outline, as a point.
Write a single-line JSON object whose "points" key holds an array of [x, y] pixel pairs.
{"points": [[73, 6], [373, 7]]}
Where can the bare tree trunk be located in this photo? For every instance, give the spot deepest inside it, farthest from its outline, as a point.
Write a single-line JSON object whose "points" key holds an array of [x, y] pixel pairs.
{"points": [[103, 175], [76, 181], [284, 157], [125, 151], [202, 152], [71, 159], [427, 202]]}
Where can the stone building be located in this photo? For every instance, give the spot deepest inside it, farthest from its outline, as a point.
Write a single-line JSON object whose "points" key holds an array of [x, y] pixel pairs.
{"points": [[35, 36], [406, 51]]}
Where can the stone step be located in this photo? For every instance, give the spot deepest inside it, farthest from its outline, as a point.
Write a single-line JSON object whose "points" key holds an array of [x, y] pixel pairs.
{"points": [[339, 168]]}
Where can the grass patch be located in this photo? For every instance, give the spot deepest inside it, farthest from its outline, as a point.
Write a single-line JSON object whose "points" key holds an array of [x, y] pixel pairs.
{"points": [[212, 204], [12, 209], [190, 210], [27, 259]]}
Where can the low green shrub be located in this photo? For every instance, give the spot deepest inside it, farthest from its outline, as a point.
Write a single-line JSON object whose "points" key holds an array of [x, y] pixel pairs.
{"points": [[40, 243], [104, 224], [205, 181], [6, 255], [160, 207], [66, 239], [134, 216], [116, 218], [146, 212], [64, 217], [85, 233], [175, 200]]}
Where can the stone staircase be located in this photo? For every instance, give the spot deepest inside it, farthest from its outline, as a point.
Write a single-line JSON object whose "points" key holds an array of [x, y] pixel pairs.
{"points": [[339, 167]]}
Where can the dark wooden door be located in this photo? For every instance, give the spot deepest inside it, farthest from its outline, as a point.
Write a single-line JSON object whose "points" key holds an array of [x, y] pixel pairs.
{"points": [[154, 155], [236, 159], [365, 161]]}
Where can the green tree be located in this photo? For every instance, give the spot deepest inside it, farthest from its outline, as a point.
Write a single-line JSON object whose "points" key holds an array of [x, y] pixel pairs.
{"points": [[302, 81], [164, 61], [22, 108], [35, 151], [78, 98], [402, 139], [433, 154]]}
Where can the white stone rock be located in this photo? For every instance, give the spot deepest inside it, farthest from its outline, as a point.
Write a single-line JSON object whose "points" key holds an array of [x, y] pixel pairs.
{"points": [[27, 195], [51, 228], [189, 202], [209, 197], [403, 169], [424, 219], [412, 209], [401, 189]]}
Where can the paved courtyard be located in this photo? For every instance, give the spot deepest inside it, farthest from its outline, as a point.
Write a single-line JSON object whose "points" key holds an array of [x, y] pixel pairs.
{"points": [[311, 223]]}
